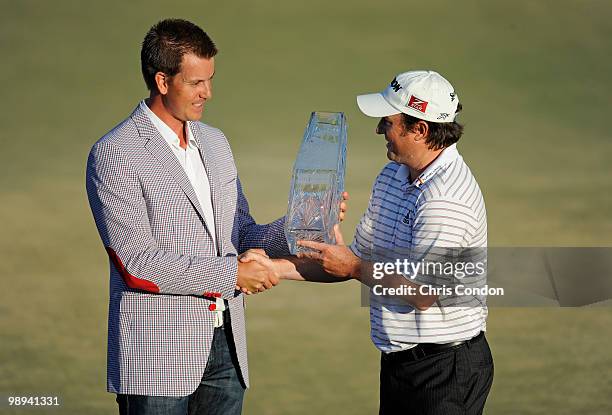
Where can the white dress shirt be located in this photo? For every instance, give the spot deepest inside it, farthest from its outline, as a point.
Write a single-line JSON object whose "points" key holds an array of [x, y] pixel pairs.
{"points": [[191, 162]]}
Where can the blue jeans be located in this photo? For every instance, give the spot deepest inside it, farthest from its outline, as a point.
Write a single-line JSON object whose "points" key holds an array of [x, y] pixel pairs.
{"points": [[220, 391]]}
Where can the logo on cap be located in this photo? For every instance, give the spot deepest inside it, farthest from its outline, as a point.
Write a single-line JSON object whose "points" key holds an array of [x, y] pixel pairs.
{"points": [[395, 85], [417, 103]]}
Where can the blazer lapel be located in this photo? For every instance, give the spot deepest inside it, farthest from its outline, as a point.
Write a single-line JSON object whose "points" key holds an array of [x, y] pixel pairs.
{"points": [[212, 170], [158, 147]]}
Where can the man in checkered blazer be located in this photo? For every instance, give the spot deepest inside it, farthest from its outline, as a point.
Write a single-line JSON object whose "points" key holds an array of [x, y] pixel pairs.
{"points": [[173, 219]]}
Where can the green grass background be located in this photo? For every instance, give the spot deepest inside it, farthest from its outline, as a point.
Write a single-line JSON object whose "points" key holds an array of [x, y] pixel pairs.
{"points": [[534, 78]]}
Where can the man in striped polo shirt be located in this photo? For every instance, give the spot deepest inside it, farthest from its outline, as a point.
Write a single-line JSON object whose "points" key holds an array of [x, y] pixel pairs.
{"points": [[426, 208]]}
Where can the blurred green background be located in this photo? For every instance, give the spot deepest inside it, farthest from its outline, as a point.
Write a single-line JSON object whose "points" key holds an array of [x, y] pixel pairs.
{"points": [[534, 79]]}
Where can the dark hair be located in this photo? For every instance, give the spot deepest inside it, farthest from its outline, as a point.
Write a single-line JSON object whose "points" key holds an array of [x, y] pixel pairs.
{"points": [[165, 44], [441, 134]]}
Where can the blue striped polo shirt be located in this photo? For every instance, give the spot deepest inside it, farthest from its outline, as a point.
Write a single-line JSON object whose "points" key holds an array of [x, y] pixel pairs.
{"points": [[442, 210]]}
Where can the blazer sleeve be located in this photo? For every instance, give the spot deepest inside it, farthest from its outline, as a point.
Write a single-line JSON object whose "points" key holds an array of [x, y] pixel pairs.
{"points": [[270, 237], [120, 212]]}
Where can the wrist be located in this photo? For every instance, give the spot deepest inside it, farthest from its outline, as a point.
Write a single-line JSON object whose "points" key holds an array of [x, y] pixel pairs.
{"points": [[283, 268], [355, 272]]}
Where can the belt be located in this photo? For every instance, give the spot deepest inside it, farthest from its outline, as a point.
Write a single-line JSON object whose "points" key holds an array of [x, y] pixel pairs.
{"points": [[422, 350]]}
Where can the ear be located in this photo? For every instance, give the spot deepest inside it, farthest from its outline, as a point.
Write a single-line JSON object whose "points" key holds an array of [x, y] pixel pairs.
{"points": [[421, 130], [162, 80]]}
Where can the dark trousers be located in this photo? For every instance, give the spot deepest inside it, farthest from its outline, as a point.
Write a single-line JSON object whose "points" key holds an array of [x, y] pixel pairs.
{"points": [[220, 392], [454, 381]]}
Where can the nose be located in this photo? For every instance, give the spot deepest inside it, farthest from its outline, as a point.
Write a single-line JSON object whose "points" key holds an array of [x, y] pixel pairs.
{"points": [[380, 129], [206, 91]]}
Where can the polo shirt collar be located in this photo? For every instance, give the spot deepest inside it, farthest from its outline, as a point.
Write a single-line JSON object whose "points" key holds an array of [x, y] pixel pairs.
{"points": [[446, 157]]}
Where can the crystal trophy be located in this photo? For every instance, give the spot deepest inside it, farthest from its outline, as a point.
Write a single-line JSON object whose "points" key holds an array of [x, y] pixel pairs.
{"points": [[317, 182]]}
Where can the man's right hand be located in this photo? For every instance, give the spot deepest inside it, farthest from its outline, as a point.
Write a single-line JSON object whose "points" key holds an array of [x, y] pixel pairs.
{"points": [[256, 272]]}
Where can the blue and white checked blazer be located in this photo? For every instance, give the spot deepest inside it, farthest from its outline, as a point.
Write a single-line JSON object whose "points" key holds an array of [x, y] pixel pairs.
{"points": [[165, 271]]}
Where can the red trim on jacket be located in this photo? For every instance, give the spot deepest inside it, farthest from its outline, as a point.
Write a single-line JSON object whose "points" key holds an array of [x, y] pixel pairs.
{"points": [[211, 294], [130, 280]]}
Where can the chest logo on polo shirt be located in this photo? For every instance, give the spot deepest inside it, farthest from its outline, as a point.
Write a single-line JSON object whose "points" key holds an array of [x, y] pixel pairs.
{"points": [[417, 103], [406, 220]]}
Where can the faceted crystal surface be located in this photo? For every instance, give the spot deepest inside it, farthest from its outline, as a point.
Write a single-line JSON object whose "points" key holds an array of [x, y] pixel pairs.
{"points": [[318, 181]]}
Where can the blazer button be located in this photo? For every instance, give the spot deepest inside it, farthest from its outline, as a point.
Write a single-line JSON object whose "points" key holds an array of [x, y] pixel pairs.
{"points": [[212, 307]]}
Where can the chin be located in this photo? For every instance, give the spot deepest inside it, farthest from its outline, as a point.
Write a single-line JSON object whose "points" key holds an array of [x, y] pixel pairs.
{"points": [[194, 116]]}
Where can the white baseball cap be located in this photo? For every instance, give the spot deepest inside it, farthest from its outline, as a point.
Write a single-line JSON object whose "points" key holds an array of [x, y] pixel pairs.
{"points": [[425, 95]]}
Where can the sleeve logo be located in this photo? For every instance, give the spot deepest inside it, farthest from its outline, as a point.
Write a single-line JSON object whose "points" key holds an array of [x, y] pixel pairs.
{"points": [[417, 103]]}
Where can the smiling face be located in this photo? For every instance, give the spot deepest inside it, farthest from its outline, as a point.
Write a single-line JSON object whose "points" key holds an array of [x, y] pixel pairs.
{"points": [[401, 147], [185, 93], [407, 144]]}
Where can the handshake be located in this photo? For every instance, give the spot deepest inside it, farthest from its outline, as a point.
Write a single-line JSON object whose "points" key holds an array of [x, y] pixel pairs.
{"points": [[256, 272]]}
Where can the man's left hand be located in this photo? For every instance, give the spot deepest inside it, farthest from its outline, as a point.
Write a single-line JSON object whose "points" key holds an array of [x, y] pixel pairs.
{"points": [[336, 260]]}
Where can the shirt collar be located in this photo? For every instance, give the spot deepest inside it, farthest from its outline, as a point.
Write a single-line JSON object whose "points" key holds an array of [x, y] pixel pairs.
{"points": [[446, 157], [166, 132]]}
